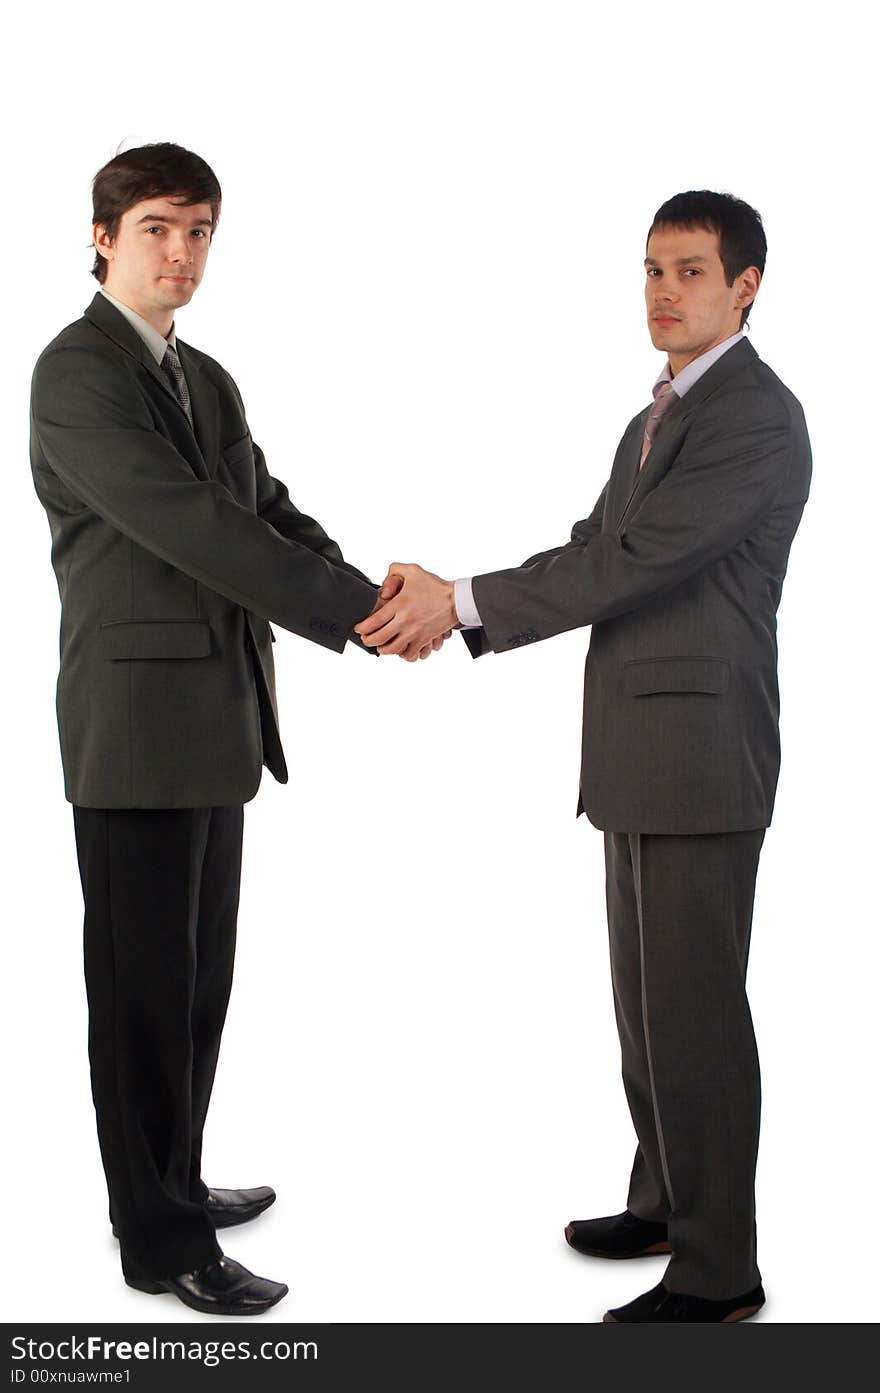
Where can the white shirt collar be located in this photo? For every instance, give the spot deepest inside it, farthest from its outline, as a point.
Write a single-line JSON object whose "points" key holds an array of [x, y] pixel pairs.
{"points": [[151, 337], [684, 380]]}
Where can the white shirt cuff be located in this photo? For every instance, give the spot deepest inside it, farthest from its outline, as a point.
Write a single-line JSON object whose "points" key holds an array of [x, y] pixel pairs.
{"points": [[468, 614]]}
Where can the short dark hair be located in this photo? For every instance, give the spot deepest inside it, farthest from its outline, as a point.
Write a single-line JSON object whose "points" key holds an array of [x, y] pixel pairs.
{"points": [[741, 239], [162, 170]]}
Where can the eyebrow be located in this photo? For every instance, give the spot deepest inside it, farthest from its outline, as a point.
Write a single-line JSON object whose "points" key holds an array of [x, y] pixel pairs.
{"points": [[682, 260], [160, 217]]}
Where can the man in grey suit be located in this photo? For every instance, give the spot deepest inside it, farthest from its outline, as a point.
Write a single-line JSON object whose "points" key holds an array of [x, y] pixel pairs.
{"points": [[173, 547], [679, 570]]}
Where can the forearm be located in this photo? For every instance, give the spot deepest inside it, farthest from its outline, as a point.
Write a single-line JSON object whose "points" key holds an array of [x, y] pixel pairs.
{"points": [[275, 506], [717, 492], [197, 526], [94, 431]]}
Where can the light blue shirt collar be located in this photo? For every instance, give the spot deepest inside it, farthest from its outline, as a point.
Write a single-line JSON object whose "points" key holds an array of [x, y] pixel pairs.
{"points": [[684, 380]]}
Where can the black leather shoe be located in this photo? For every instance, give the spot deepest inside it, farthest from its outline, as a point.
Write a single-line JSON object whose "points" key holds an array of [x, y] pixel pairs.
{"points": [[662, 1305], [618, 1236], [229, 1207], [226, 1208], [221, 1288]]}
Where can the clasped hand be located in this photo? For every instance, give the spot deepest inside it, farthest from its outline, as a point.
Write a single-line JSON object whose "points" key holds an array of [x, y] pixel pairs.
{"points": [[414, 614]]}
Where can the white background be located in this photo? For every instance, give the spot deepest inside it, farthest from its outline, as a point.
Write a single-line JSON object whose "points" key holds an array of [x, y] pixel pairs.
{"points": [[427, 282]]}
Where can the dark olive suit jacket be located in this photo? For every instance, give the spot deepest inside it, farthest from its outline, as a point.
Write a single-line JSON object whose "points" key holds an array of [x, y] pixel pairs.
{"points": [[679, 570], [173, 547]]}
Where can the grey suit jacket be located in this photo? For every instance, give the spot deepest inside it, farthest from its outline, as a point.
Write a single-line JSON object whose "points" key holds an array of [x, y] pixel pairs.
{"points": [[679, 570], [173, 547]]}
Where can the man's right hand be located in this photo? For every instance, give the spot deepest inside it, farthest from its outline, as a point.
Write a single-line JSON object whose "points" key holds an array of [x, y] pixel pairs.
{"points": [[391, 586]]}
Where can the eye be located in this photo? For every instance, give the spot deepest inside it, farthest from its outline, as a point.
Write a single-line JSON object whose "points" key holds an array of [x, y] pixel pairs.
{"points": [[199, 232], [653, 271], [155, 228], [692, 271]]}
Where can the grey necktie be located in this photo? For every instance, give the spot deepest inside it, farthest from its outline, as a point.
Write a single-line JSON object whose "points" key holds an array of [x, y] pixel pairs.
{"points": [[172, 368], [664, 396]]}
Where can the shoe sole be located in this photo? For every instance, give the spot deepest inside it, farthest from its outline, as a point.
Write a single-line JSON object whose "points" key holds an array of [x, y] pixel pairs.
{"points": [[208, 1308], [741, 1313], [652, 1250]]}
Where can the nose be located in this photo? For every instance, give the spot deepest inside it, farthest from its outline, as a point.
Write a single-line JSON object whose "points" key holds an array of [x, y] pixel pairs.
{"points": [[664, 292], [180, 250]]}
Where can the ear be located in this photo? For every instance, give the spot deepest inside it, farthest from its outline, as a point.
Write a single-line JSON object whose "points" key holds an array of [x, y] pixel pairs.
{"points": [[103, 243], [747, 284]]}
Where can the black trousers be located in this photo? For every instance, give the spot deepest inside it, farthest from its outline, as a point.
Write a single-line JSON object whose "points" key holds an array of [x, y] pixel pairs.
{"points": [[679, 918], [161, 899]]}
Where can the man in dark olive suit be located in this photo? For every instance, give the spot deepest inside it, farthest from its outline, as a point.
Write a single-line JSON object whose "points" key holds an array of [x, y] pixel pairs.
{"points": [[679, 570], [173, 547]]}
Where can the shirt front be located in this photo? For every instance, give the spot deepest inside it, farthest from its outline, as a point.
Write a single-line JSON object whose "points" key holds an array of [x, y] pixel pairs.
{"points": [[465, 608]]}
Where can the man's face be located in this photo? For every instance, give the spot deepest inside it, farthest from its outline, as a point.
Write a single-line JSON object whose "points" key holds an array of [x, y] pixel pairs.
{"points": [[690, 306], [158, 256]]}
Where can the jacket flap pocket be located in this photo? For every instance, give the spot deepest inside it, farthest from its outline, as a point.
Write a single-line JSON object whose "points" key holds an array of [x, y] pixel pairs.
{"points": [[155, 638], [643, 676]]}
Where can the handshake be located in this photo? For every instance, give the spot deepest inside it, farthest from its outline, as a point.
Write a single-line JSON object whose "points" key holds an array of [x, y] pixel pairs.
{"points": [[413, 616]]}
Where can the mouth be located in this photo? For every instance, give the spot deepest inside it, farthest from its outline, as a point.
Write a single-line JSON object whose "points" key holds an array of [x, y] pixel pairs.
{"points": [[665, 319], [177, 278]]}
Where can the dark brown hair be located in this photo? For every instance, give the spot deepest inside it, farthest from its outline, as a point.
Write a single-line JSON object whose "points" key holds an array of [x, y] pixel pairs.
{"points": [[741, 239], [150, 171]]}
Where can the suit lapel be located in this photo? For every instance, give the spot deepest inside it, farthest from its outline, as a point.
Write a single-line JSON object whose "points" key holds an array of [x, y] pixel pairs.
{"points": [[107, 318], [205, 407], [625, 471], [666, 445], [742, 355], [203, 394]]}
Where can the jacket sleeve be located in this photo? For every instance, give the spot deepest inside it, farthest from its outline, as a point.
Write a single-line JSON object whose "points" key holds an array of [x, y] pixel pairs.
{"points": [[96, 432], [275, 506], [732, 466], [477, 640]]}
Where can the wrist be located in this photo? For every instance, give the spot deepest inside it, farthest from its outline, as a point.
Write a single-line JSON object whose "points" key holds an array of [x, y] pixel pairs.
{"points": [[450, 599]]}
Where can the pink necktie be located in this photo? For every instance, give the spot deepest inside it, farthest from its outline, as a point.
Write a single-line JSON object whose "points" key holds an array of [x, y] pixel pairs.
{"points": [[664, 396]]}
